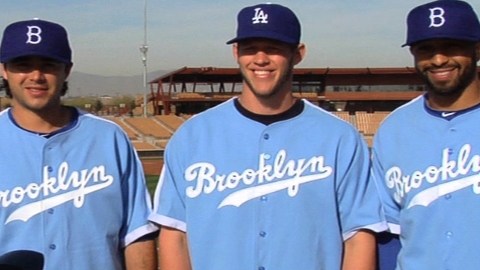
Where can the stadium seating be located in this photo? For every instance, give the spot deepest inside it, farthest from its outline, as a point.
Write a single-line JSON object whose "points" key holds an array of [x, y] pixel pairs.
{"points": [[149, 127], [343, 115], [143, 146], [132, 135], [171, 121]]}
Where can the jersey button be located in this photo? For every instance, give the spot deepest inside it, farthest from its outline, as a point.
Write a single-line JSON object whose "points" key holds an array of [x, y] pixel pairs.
{"points": [[263, 234], [50, 211], [50, 169], [448, 196], [449, 234], [267, 156], [264, 198], [266, 136], [52, 246], [261, 268]]}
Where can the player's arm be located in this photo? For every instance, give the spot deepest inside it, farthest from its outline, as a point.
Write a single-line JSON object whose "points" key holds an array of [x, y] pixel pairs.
{"points": [[173, 250], [360, 252], [141, 255]]}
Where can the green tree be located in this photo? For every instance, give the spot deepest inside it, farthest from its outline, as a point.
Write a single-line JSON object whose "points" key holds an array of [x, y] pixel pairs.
{"points": [[98, 105]]}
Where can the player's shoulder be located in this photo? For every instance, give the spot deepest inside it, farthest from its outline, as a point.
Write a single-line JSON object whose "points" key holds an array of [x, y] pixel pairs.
{"points": [[103, 124], [410, 109], [221, 111], [323, 118], [4, 113]]}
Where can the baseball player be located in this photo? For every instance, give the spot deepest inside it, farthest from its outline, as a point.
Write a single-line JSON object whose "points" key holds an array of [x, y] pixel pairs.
{"points": [[426, 156], [72, 187], [267, 181]]}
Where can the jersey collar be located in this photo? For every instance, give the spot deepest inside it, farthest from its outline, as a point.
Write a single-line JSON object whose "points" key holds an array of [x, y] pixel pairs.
{"points": [[70, 125], [295, 110]]}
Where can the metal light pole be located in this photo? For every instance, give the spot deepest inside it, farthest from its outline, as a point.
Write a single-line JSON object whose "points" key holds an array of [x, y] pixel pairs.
{"points": [[143, 50]]}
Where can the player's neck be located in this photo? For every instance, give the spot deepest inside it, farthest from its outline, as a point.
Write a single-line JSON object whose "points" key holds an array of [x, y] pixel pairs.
{"points": [[275, 104], [463, 100], [42, 121]]}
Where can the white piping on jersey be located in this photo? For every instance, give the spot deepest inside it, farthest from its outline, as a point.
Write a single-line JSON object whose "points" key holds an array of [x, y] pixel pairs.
{"points": [[53, 185], [464, 165], [207, 181]]}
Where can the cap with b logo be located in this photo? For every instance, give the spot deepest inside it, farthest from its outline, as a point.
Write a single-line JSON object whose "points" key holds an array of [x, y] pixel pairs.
{"points": [[442, 19], [35, 38], [268, 21]]}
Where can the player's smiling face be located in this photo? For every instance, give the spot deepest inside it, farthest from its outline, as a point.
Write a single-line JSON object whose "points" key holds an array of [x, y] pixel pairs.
{"points": [[447, 66], [266, 65], [35, 82]]}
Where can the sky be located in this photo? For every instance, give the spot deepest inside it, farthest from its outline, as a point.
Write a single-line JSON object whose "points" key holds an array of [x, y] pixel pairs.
{"points": [[106, 35]]}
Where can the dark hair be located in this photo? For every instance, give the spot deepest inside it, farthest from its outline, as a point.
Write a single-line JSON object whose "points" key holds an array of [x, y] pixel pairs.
{"points": [[8, 93]]}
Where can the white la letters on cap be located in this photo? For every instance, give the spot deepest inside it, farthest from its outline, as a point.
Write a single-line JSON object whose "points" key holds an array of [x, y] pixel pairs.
{"points": [[260, 16]]}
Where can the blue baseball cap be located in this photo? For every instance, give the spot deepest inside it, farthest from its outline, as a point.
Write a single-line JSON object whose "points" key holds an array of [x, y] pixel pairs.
{"points": [[268, 21], [442, 19], [22, 260], [35, 37]]}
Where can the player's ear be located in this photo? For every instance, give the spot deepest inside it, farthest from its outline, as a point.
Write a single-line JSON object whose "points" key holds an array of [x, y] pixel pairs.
{"points": [[235, 51], [68, 69], [300, 52], [4, 72], [477, 51]]}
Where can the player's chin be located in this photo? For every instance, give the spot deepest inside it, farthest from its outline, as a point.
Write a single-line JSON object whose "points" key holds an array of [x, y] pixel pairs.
{"points": [[444, 89]]}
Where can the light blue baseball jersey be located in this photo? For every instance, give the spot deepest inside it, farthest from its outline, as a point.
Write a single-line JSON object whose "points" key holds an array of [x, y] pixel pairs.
{"points": [[79, 197], [251, 196], [427, 166]]}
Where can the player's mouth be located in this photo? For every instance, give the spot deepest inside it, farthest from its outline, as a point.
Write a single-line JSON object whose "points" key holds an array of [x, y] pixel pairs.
{"points": [[262, 73], [36, 90], [442, 74]]}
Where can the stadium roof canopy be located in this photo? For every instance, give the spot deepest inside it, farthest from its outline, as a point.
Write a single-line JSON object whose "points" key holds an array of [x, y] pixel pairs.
{"points": [[326, 76]]}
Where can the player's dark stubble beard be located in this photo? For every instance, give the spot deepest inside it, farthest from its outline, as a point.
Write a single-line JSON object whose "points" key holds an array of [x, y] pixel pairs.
{"points": [[284, 79], [460, 83]]}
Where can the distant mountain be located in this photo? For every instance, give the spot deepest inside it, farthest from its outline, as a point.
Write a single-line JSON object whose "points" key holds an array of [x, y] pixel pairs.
{"points": [[83, 84]]}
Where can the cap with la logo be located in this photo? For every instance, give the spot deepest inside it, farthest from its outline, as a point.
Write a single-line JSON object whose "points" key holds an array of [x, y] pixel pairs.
{"points": [[268, 21], [442, 19], [35, 38]]}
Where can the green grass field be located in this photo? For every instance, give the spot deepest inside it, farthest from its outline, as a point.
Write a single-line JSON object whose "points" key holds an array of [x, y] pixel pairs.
{"points": [[151, 183]]}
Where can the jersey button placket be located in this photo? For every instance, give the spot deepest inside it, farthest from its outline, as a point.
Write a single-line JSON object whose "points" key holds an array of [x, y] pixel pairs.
{"points": [[264, 198]]}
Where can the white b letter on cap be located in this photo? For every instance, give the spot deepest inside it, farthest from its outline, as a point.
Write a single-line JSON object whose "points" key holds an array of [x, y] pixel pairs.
{"points": [[436, 17], [260, 17], [34, 35]]}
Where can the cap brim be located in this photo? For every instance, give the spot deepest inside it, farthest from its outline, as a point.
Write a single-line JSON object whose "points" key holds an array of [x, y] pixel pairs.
{"points": [[22, 259], [51, 56], [263, 35]]}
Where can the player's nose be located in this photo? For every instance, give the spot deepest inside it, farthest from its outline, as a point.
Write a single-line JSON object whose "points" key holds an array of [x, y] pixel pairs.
{"points": [[261, 58], [36, 75], [439, 59]]}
